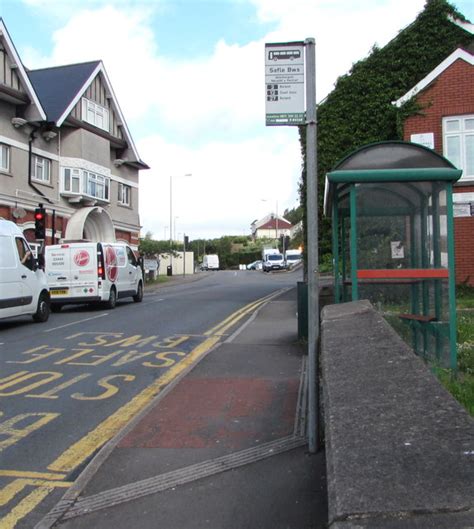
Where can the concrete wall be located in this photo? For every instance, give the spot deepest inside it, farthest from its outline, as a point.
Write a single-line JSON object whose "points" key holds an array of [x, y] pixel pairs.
{"points": [[177, 263], [399, 448]]}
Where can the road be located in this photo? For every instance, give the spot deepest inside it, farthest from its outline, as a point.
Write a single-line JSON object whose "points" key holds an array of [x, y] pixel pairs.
{"points": [[69, 385]]}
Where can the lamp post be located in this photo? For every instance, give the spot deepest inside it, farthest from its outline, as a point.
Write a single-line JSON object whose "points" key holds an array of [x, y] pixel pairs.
{"points": [[175, 238], [171, 219]]}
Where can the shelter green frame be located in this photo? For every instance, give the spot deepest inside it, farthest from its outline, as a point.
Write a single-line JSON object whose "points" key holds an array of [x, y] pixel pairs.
{"points": [[378, 166]]}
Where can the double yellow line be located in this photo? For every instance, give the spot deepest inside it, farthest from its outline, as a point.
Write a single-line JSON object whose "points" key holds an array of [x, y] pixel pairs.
{"points": [[96, 438], [221, 328]]}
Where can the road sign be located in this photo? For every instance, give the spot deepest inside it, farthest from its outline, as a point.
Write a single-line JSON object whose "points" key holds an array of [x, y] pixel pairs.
{"points": [[284, 84]]}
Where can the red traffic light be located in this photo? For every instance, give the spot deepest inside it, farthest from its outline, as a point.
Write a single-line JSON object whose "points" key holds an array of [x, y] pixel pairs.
{"points": [[39, 215]]}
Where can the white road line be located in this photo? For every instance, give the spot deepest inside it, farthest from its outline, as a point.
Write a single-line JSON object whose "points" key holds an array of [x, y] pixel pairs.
{"points": [[154, 301], [76, 322]]}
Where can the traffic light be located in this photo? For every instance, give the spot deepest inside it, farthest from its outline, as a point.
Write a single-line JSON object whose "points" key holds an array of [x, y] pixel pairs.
{"points": [[40, 222]]}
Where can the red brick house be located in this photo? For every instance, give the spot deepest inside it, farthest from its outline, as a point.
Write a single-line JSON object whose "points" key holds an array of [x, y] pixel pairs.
{"points": [[445, 123]]}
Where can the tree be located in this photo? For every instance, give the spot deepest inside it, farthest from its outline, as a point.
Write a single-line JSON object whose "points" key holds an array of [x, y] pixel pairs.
{"points": [[359, 110]]}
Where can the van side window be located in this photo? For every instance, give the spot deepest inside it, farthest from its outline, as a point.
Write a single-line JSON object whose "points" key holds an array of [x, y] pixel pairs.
{"points": [[131, 257], [7, 256], [24, 253]]}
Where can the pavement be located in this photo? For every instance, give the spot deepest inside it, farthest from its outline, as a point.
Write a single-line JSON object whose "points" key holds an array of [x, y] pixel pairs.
{"points": [[222, 447]]}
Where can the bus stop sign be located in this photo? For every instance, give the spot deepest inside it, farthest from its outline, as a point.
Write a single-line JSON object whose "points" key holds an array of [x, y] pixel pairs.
{"points": [[284, 84]]}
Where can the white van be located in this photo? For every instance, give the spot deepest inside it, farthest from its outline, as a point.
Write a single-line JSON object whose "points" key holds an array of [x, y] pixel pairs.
{"points": [[293, 257], [23, 286], [87, 272], [210, 262]]}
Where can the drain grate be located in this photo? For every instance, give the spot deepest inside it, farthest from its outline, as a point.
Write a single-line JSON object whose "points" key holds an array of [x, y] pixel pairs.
{"points": [[133, 491]]}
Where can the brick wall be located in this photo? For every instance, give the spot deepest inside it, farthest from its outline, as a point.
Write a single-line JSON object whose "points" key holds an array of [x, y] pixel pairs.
{"points": [[451, 94]]}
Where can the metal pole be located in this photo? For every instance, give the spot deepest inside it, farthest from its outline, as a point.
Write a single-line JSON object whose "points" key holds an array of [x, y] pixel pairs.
{"points": [[276, 225], [312, 245], [53, 227], [171, 222], [184, 254]]}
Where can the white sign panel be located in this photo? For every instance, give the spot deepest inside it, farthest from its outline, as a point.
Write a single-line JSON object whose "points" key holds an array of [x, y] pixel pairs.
{"points": [[461, 210], [284, 84], [463, 198], [397, 249], [426, 139]]}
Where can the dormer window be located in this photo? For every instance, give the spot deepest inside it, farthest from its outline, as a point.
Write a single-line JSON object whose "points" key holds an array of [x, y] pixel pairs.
{"points": [[95, 114]]}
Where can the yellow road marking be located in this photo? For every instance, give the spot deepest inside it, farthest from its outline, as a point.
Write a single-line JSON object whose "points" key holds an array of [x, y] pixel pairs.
{"points": [[86, 446], [25, 506], [236, 316], [12, 489], [30, 475]]}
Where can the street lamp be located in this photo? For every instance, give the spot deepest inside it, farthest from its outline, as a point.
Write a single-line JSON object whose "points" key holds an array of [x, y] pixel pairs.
{"points": [[175, 223], [171, 218]]}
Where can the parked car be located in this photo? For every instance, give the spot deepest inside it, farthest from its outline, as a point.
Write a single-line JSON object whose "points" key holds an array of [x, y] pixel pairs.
{"points": [[23, 286], [256, 265]]}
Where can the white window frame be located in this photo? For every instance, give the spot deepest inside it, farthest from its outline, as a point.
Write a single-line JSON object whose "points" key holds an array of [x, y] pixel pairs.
{"points": [[124, 194], [71, 176], [41, 169], [95, 114], [90, 183], [466, 138], [4, 158]]}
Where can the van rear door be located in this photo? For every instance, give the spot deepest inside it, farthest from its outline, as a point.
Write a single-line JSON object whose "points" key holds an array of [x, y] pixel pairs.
{"points": [[72, 272]]}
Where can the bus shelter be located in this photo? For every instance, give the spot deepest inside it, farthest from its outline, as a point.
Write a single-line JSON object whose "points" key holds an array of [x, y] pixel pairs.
{"points": [[393, 243]]}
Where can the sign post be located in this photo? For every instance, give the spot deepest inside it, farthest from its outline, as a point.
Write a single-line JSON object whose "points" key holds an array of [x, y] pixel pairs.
{"points": [[285, 68]]}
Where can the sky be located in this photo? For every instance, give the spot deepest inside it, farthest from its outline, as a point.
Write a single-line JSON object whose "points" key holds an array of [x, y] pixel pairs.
{"points": [[189, 76]]}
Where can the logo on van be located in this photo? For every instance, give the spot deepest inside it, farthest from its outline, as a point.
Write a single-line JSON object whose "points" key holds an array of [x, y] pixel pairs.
{"points": [[111, 263], [81, 258]]}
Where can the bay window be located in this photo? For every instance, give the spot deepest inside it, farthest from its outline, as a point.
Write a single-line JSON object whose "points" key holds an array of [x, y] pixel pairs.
{"points": [[77, 181]]}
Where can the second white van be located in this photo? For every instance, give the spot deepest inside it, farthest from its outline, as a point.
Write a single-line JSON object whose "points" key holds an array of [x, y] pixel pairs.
{"points": [[88, 272]]}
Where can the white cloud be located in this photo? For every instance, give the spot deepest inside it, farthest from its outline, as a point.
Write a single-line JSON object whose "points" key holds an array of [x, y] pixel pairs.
{"points": [[213, 103], [229, 181]]}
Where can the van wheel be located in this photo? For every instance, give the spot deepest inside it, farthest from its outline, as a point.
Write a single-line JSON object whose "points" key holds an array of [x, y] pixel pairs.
{"points": [[55, 307], [139, 295], [43, 309], [112, 301]]}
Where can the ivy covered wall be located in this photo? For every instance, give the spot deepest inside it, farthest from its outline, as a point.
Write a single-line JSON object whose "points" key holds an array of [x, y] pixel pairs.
{"points": [[359, 110]]}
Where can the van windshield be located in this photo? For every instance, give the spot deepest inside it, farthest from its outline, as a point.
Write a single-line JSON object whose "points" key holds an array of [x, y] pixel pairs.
{"points": [[275, 257]]}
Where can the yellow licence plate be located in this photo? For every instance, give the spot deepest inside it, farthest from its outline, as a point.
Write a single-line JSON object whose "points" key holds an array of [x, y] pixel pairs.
{"points": [[58, 292]]}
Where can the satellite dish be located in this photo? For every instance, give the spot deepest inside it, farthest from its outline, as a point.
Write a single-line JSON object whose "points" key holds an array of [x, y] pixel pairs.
{"points": [[18, 213]]}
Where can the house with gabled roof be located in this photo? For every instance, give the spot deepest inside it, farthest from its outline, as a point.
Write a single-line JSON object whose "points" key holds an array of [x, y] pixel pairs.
{"points": [[271, 226], [444, 121], [64, 143]]}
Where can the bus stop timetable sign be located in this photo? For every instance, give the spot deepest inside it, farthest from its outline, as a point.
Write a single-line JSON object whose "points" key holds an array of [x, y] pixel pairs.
{"points": [[284, 84]]}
